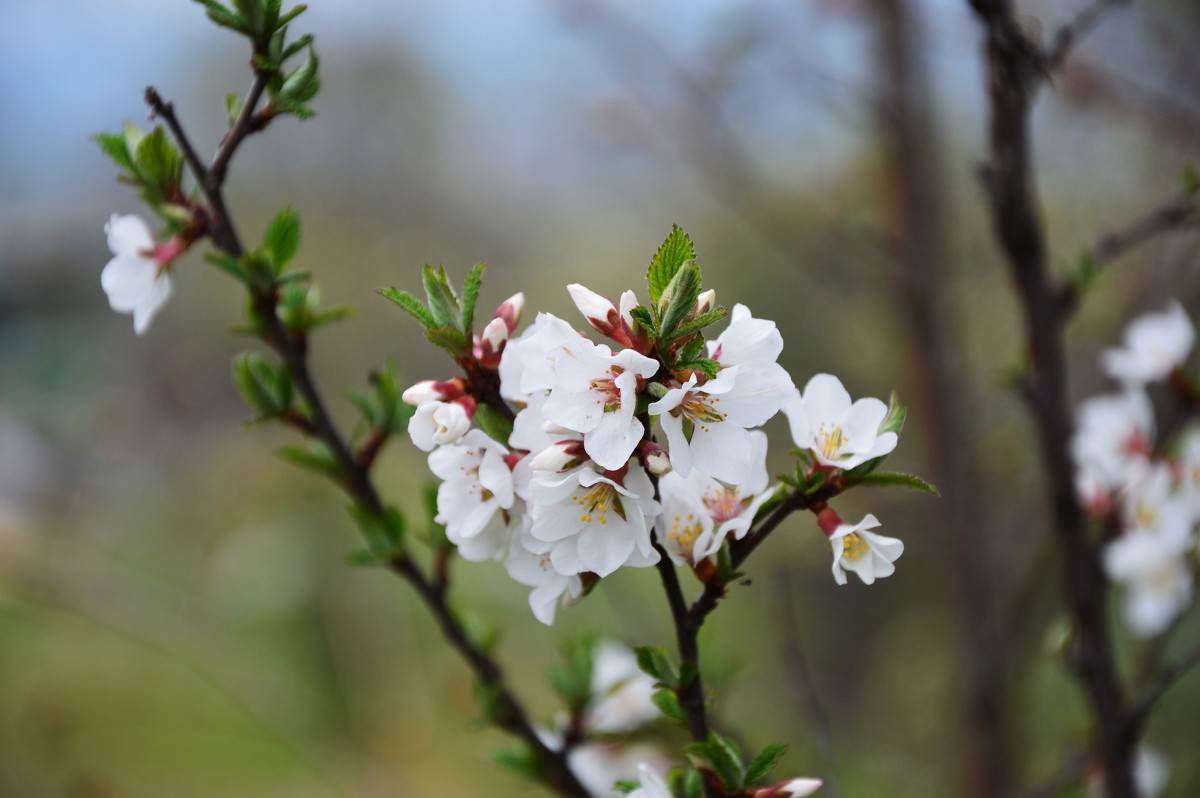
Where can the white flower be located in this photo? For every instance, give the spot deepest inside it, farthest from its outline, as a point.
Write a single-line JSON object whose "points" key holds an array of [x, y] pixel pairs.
{"points": [[593, 523], [652, 785], [136, 279], [477, 486], [1113, 440], [595, 393], [1151, 771], [598, 765], [749, 341], [699, 512], [622, 694], [865, 553], [528, 562], [527, 364], [838, 433], [794, 788], [1151, 503], [437, 424], [1158, 583], [1155, 344], [707, 425]]}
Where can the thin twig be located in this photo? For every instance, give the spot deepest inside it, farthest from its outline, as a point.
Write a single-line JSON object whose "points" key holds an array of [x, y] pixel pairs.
{"points": [[1165, 679], [1070, 34], [509, 712]]}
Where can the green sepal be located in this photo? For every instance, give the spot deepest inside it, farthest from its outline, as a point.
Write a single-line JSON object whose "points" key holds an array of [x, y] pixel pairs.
{"points": [[410, 303], [675, 251], [668, 704], [495, 424], [316, 456], [470, 296], [700, 322], [520, 760], [654, 663], [898, 480], [678, 300], [383, 534], [441, 299], [896, 415], [764, 763], [265, 387], [282, 238], [721, 756]]}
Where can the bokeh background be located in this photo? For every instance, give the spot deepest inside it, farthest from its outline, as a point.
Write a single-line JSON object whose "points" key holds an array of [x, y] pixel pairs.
{"points": [[176, 617]]}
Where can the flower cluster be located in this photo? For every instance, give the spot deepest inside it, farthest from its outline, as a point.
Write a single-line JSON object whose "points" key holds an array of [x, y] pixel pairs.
{"points": [[550, 447], [1150, 491]]}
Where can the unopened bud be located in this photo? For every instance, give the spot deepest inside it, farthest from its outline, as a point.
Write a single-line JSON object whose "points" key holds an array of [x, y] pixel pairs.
{"points": [[491, 343], [558, 457], [593, 306], [706, 301], [796, 788], [629, 301], [434, 391], [829, 521], [657, 461], [510, 310]]}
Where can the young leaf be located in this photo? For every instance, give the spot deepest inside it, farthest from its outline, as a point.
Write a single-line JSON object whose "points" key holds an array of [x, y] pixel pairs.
{"points": [[116, 147], [409, 303], [470, 295], [722, 757], [302, 84], [282, 237], [449, 338], [493, 423], [655, 664], [701, 321], [678, 299], [764, 763], [644, 320], [899, 480], [383, 534], [158, 161], [670, 258], [442, 301], [316, 457], [668, 704], [223, 16]]}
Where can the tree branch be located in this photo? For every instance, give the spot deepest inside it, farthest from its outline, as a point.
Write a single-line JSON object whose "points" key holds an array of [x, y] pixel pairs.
{"points": [[1165, 679]]}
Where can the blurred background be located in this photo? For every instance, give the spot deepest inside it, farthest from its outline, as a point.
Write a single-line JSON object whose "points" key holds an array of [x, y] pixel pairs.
{"points": [[176, 616]]}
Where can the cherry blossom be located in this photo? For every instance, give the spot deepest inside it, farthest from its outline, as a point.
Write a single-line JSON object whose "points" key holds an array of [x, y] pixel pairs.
{"points": [[652, 785], [867, 554], [136, 280], [1113, 440], [477, 485], [839, 433], [622, 693], [748, 341], [1156, 577], [527, 363], [528, 562], [1155, 344], [437, 424]]}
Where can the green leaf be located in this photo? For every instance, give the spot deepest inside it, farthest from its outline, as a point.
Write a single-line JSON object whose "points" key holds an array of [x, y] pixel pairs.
{"points": [[675, 251], [223, 16], [778, 497], [521, 760], [302, 83], [233, 108], [495, 424], [899, 480], [470, 295], [655, 664], [625, 786], [692, 350], [227, 264], [709, 368], [644, 320], [282, 237], [116, 147], [722, 757], [701, 321], [383, 534], [315, 457], [290, 15], [693, 785], [678, 300], [442, 301], [159, 161], [764, 763], [894, 420], [409, 303], [266, 388], [668, 704], [449, 338]]}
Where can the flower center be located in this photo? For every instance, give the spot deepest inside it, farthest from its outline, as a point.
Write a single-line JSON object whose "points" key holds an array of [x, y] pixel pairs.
{"points": [[595, 503], [1145, 514], [831, 439], [701, 410], [684, 531], [724, 504], [854, 547], [608, 394]]}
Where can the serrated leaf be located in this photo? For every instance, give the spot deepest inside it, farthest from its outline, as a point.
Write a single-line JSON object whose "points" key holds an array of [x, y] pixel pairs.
{"points": [[675, 251], [494, 423], [296, 46], [222, 15], [706, 366], [282, 237], [668, 704], [898, 480], [678, 300], [700, 322], [692, 350], [441, 299], [721, 756], [115, 146], [470, 295], [764, 763], [158, 161], [449, 338], [409, 303], [644, 320], [383, 534]]}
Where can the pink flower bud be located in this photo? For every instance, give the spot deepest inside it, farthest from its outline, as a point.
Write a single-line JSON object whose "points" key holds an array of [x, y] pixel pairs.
{"points": [[491, 343], [796, 788], [628, 303], [656, 459], [559, 457], [434, 391], [510, 310], [829, 521], [593, 306]]}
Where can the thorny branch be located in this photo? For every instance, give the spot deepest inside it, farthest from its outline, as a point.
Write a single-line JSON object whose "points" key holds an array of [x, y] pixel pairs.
{"points": [[508, 711]]}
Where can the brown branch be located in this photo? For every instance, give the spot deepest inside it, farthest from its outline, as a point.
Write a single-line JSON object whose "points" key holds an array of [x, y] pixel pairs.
{"points": [[1165, 679], [242, 127], [1015, 70], [293, 351]]}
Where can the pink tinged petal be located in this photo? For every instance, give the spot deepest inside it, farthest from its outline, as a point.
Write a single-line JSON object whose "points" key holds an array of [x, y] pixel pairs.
{"points": [[590, 304], [825, 399], [723, 452], [151, 303], [129, 234]]}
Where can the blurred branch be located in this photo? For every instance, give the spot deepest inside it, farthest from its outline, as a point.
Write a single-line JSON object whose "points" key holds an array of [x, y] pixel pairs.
{"points": [[510, 715], [1163, 681], [1070, 34], [1176, 214], [1016, 69]]}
